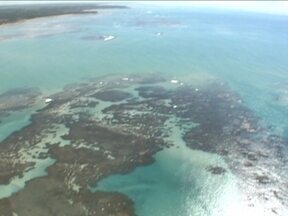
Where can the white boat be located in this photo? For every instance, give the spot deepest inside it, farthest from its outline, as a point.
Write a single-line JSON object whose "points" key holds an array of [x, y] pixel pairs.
{"points": [[48, 100], [174, 81], [109, 37]]}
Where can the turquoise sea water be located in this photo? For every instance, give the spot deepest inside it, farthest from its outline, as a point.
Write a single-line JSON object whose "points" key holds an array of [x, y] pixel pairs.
{"points": [[177, 183], [248, 51]]}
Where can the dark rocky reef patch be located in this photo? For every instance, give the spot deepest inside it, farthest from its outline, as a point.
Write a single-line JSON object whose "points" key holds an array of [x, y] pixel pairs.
{"points": [[225, 126], [18, 99], [8, 169], [220, 114], [216, 170], [126, 135], [96, 149], [142, 117], [83, 104], [48, 196], [262, 178], [153, 92], [112, 95]]}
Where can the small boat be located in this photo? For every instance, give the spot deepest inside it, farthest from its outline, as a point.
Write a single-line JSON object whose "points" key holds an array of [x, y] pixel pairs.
{"points": [[48, 100], [107, 38], [174, 81]]}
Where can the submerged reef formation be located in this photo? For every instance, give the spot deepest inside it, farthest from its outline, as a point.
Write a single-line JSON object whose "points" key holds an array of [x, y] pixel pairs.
{"points": [[111, 125], [17, 100]]}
